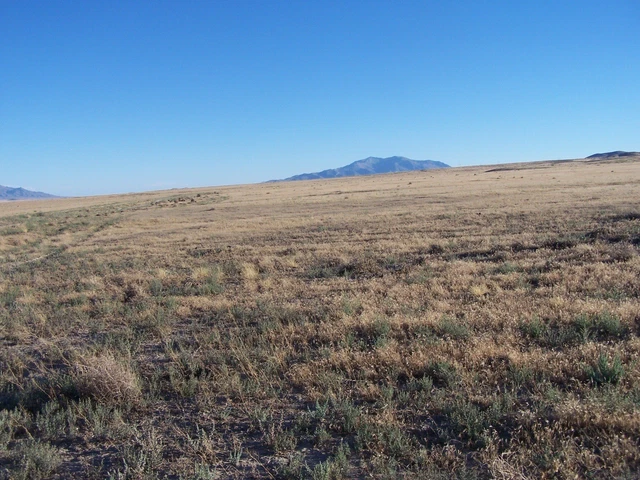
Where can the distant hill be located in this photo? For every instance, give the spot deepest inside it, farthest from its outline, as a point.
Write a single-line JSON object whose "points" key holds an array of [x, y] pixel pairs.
{"points": [[616, 154], [372, 166], [11, 193]]}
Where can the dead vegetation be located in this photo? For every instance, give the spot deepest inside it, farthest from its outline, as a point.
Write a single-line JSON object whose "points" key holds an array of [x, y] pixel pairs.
{"points": [[437, 324]]}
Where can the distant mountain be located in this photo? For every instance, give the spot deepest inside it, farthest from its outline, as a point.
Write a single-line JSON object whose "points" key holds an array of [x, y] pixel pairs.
{"points": [[10, 193], [372, 166], [616, 154]]}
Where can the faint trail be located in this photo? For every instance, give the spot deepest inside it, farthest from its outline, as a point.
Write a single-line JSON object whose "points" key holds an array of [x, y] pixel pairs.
{"points": [[12, 266], [76, 241]]}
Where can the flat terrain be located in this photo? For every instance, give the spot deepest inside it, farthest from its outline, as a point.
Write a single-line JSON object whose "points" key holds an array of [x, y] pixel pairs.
{"points": [[462, 323]]}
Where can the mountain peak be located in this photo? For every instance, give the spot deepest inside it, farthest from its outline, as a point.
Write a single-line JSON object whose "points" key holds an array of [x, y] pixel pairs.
{"points": [[372, 166]]}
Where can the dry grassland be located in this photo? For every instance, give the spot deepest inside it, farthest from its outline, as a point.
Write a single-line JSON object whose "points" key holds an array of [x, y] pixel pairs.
{"points": [[464, 323]]}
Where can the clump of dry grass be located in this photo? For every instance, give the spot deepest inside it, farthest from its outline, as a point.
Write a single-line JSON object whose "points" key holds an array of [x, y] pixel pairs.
{"points": [[107, 380]]}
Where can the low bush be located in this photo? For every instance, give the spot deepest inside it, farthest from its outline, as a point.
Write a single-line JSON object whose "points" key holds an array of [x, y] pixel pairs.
{"points": [[106, 380]]}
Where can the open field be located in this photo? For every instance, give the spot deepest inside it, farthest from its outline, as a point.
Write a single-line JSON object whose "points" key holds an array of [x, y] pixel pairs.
{"points": [[465, 323]]}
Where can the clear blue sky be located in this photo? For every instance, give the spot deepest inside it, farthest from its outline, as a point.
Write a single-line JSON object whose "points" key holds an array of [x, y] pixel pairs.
{"points": [[115, 96]]}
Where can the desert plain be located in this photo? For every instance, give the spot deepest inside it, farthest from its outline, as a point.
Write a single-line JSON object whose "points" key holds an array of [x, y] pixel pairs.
{"points": [[476, 322]]}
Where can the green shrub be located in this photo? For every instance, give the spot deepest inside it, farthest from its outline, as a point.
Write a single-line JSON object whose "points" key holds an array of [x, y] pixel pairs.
{"points": [[396, 443], [534, 329], [520, 376], [55, 422], [155, 287], [605, 371], [345, 416], [506, 268], [450, 327], [602, 326], [380, 330], [211, 284], [551, 335], [36, 460], [583, 326], [8, 297], [608, 325], [442, 373], [424, 384], [7, 427]]}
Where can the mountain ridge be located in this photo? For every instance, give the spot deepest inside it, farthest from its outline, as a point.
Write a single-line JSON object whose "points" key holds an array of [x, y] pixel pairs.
{"points": [[19, 193], [370, 166], [616, 154]]}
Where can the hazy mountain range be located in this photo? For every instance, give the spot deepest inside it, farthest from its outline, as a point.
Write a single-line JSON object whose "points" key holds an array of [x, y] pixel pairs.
{"points": [[372, 166], [18, 193], [616, 154]]}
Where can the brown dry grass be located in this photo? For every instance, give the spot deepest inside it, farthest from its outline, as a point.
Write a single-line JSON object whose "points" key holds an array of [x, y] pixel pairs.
{"points": [[475, 322], [106, 380]]}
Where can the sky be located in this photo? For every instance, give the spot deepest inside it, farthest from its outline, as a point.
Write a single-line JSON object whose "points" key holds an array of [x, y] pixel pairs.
{"points": [[120, 96]]}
